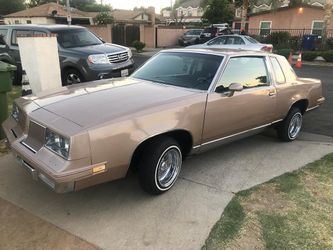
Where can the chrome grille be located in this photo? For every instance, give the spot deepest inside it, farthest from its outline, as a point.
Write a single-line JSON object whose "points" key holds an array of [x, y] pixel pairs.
{"points": [[117, 58], [36, 137]]}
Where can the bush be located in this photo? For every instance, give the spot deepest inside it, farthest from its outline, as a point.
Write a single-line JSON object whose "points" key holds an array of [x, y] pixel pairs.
{"points": [[328, 55], [138, 45], [284, 52], [310, 55], [329, 43], [279, 39]]}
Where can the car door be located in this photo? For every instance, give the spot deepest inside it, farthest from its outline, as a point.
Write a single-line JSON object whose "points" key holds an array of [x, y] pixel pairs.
{"points": [[251, 108]]}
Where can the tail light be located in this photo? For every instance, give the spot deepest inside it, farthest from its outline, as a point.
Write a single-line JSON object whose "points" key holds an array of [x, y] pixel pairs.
{"points": [[267, 48]]}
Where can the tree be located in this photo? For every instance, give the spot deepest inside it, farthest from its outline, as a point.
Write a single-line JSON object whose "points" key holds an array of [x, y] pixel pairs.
{"points": [[218, 11], [8, 7], [327, 17], [35, 3], [104, 18]]}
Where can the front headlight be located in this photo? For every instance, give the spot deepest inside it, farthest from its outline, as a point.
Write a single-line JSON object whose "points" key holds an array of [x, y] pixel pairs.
{"points": [[15, 112], [57, 143], [98, 59], [129, 53]]}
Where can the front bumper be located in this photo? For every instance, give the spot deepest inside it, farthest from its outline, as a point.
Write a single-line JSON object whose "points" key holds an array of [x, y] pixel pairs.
{"points": [[40, 165], [98, 72]]}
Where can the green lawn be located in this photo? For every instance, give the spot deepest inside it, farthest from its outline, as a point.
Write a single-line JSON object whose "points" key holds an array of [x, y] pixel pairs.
{"points": [[293, 211]]}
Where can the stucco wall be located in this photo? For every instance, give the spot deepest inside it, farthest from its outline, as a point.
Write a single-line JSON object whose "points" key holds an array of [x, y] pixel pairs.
{"points": [[103, 31], [168, 37], [289, 19], [149, 36]]}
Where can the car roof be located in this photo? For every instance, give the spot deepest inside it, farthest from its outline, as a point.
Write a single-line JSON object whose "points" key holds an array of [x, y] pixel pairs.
{"points": [[220, 51], [50, 27]]}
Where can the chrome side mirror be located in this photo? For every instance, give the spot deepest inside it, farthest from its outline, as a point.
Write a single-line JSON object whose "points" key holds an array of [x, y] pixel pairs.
{"points": [[235, 87]]}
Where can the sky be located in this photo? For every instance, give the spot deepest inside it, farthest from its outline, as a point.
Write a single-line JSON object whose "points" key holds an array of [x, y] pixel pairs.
{"points": [[130, 4]]}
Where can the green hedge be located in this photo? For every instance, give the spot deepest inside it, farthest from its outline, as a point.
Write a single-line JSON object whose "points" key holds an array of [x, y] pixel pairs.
{"points": [[328, 55], [308, 55]]}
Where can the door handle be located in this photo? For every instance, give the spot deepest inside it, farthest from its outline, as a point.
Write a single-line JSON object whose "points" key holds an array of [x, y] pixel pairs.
{"points": [[271, 93]]}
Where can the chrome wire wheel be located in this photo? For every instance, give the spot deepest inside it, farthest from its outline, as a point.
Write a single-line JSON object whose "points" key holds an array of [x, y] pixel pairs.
{"points": [[73, 78], [295, 126], [168, 167]]}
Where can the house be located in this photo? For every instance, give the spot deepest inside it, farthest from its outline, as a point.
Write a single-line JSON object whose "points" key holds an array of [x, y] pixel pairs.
{"points": [[188, 12], [50, 13], [266, 5], [304, 18]]}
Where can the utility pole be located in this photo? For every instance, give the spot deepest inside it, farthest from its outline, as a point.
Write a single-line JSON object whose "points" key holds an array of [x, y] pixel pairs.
{"points": [[69, 18]]}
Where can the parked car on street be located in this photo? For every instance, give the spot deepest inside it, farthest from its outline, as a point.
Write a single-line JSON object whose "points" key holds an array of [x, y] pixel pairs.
{"points": [[179, 102], [235, 42], [190, 37], [83, 56], [214, 31]]}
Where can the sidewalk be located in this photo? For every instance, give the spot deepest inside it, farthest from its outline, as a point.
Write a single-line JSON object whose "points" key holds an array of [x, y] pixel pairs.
{"points": [[20, 229]]}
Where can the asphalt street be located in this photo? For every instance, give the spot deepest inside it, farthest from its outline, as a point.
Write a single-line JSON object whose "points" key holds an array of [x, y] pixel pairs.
{"points": [[319, 121]]}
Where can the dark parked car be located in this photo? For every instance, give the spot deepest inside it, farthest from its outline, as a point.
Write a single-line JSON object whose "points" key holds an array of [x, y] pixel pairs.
{"points": [[83, 56], [190, 37], [213, 31]]}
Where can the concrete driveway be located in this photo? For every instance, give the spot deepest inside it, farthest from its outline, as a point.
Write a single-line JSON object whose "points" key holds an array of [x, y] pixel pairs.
{"points": [[119, 215]]}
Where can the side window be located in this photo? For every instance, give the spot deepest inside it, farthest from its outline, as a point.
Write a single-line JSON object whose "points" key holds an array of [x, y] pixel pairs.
{"points": [[235, 40], [279, 75], [218, 41], [39, 33], [3, 37], [251, 72], [20, 33]]}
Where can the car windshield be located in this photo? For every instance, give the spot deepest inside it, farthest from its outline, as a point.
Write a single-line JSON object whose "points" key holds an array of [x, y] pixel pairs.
{"points": [[72, 38], [251, 40], [183, 69]]}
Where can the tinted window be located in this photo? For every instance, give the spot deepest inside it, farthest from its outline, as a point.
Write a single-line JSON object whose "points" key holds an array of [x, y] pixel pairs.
{"points": [[193, 32], [235, 40], [189, 70], [249, 71], [218, 41], [20, 33], [76, 38], [39, 33], [3, 33], [279, 76]]}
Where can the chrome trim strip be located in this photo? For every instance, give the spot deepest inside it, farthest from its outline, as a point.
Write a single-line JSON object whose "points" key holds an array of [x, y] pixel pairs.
{"points": [[309, 109], [239, 133], [30, 148]]}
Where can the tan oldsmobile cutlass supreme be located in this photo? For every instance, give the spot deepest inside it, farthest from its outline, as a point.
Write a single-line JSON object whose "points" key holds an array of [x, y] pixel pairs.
{"points": [[178, 103]]}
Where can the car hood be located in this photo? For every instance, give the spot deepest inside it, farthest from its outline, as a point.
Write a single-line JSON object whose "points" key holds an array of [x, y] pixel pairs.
{"points": [[98, 102], [104, 48]]}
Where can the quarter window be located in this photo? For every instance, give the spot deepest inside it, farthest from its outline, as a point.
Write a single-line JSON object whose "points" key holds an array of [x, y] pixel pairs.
{"points": [[279, 75], [251, 72], [265, 27]]}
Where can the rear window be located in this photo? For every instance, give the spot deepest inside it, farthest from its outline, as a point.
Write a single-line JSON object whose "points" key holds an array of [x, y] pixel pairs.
{"points": [[193, 32]]}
